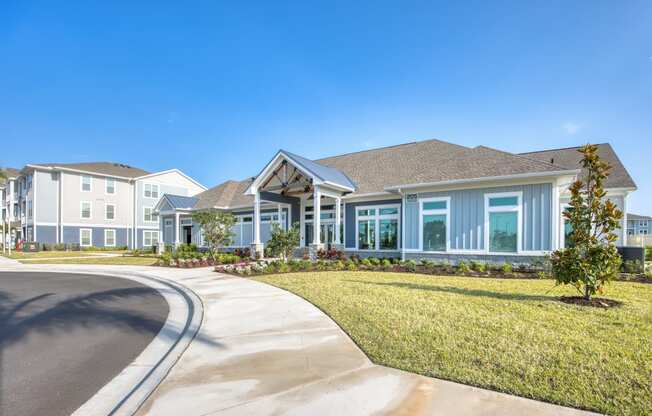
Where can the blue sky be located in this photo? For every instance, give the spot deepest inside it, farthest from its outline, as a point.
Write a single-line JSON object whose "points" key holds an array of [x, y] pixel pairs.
{"points": [[215, 88]]}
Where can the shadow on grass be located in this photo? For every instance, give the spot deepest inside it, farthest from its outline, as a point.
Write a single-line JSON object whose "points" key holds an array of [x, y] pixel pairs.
{"points": [[462, 291]]}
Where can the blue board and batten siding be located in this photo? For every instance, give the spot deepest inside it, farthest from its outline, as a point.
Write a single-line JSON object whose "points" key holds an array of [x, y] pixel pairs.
{"points": [[468, 217]]}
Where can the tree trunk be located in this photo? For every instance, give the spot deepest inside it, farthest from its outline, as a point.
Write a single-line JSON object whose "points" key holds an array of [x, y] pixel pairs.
{"points": [[587, 292]]}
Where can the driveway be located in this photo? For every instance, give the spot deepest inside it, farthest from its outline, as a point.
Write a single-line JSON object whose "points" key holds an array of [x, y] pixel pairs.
{"points": [[64, 336]]}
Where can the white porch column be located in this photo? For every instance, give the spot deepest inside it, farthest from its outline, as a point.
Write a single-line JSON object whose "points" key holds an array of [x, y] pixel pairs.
{"points": [[302, 222], [177, 225], [316, 217], [257, 250], [338, 221], [280, 216], [161, 244], [257, 218]]}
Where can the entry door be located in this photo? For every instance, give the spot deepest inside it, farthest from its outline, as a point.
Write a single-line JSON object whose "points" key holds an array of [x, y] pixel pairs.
{"points": [[187, 231]]}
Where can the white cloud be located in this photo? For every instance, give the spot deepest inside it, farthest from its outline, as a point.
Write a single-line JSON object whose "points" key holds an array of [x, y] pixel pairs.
{"points": [[571, 128]]}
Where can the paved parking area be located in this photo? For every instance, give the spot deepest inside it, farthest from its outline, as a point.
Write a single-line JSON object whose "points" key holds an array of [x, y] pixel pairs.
{"points": [[63, 336]]}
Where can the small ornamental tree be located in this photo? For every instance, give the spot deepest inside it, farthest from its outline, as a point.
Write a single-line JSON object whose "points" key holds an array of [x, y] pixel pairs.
{"points": [[216, 226], [282, 243], [592, 260]]}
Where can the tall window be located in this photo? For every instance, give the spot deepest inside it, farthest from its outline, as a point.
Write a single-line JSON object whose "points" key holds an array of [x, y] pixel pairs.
{"points": [[435, 216], [377, 227], [85, 237], [149, 215], [109, 238], [110, 212], [30, 209], [110, 186], [151, 190], [85, 183], [85, 210], [504, 219]]}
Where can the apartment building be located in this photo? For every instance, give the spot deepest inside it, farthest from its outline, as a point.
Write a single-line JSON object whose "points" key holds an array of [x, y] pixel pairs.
{"points": [[102, 204]]}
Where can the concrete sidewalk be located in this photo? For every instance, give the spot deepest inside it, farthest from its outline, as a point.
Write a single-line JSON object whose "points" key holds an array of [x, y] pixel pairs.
{"points": [[274, 353]]}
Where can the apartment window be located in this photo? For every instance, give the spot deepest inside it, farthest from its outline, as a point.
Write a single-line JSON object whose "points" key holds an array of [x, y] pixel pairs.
{"points": [[435, 223], [642, 223], [642, 232], [377, 228], [110, 186], [149, 215], [85, 210], [110, 212], [109, 238], [503, 219], [150, 238], [151, 191], [30, 209], [85, 237], [568, 230], [85, 183]]}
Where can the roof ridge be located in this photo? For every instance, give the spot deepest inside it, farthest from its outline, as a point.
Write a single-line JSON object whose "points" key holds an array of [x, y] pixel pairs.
{"points": [[548, 165], [563, 148], [389, 147]]}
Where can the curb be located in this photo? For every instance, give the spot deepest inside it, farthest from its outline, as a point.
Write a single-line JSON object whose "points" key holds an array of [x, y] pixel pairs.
{"points": [[124, 395]]}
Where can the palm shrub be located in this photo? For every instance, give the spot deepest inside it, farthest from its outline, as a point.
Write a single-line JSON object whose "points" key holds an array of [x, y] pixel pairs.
{"points": [[591, 261]]}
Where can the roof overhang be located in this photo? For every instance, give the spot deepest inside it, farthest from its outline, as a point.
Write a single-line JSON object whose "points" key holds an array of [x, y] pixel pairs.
{"points": [[163, 172], [65, 169], [533, 175]]}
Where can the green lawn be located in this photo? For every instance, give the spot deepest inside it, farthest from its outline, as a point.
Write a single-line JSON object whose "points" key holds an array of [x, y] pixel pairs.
{"points": [[18, 255], [507, 335], [120, 260]]}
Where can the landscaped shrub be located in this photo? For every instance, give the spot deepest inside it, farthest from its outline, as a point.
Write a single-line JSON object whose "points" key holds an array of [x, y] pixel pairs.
{"points": [[387, 264], [648, 253], [479, 266], [351, 266], [374, 261], [409, 265], [366, 263], [507, 268], [331, 254], [243, 252], [463, 268], [633, 266]]}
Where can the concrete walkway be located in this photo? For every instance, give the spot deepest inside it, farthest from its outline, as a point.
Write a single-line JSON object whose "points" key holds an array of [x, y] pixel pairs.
{"points": [[263, 351], [274, 353]]}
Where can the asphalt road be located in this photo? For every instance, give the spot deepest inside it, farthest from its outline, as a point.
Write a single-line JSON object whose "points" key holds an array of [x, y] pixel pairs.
{"points": [[64, 336]]}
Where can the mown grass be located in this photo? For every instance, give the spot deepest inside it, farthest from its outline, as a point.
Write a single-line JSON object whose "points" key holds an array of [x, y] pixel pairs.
{"points": [[19, 255], [119, 260], [513, 336]]}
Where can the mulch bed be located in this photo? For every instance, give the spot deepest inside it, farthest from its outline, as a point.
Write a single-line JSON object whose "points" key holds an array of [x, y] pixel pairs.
{"points": [[593, 302]]}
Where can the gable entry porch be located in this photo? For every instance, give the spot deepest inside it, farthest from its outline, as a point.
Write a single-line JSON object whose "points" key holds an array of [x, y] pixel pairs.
{"points": [[294, 180]]}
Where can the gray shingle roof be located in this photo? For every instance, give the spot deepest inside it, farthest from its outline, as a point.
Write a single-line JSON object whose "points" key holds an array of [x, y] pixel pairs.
{"points": [[570, 158], [104, 168], [227, 194], [418, 162], [181, 202]]}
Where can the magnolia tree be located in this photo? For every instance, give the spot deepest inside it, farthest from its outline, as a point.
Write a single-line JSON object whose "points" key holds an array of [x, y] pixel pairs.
{"points": [[216, 226], [591, 260], [282, 243]]}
